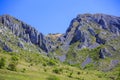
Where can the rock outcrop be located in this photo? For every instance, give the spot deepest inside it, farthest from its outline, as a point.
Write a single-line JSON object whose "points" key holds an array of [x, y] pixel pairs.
{"points": [[89, 29], [95, 32], [24, 31]]}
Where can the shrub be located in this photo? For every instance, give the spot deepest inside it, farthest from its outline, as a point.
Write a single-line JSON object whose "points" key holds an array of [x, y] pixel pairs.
{"points": [[70, 75], [57, 70], [45, 70], [44, 64], [51, 62], [23, 70], [118, 77], [14, 58], [12, 67], [78, 73], [13, 64], [2, 62]]}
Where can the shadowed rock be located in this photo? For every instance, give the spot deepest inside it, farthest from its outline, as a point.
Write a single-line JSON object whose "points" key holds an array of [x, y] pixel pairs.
{"points": [[104, 52], [7, 48]]}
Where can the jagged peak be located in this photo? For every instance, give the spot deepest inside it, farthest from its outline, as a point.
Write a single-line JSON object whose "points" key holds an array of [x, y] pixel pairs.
{"points": [[6, 15], [96, 14]]}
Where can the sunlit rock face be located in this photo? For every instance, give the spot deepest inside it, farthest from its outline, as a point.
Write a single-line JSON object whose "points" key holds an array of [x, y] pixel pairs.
{"points": [[24, 31]]}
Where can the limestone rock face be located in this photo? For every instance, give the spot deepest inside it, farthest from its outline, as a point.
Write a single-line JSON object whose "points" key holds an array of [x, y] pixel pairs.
{"points": [[7, 48], [24, 31], [104, 52], [89, 29], [94, 32]]}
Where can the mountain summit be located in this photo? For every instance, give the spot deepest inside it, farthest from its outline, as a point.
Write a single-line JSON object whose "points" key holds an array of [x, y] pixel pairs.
{"points": [[91, 37], [88, 39]]}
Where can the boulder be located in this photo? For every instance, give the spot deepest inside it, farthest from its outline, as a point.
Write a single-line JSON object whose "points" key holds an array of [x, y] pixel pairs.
{"points": [[99, 39], [87, 61], [20, 44], [7, 48], [104, 52]]}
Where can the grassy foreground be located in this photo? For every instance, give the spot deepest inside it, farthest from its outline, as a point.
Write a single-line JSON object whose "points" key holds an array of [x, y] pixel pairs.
{"points": [[25, 65]]}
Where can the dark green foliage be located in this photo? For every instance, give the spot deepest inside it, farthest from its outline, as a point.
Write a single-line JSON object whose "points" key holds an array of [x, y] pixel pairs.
{"points": [[2, 62], [44, 64], [58, 70], [51, 62], [45, 70], [13, 64], [78, 73], [23, 70], [94, 53], [118, 77], [14, 58], [70, 75], [12, 67]]}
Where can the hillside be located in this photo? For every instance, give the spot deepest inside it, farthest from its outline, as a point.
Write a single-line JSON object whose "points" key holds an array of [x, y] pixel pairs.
{"points": [[92, 39], [90, 46]]}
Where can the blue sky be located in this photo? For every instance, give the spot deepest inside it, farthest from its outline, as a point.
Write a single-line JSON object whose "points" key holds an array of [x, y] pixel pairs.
{"points": [[54, 16]]}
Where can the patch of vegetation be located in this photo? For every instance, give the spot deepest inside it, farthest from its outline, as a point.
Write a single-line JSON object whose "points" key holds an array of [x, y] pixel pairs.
{"points": [[75, 24], [12, 67], [13, 63], [89, 66], [44, 68], [70, 74], [58, 70], [51, 62], [53, 78], [94, 53], [2, 62]]}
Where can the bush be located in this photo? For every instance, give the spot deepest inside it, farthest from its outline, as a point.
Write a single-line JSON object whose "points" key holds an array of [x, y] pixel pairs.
{"points": [[118, 77], [12, 67], [13, 64], [57, 70], [70, 75], [23, 70], [2, 62], [51, 62], [78, 73], [45, 70], [14, 58], [44, 64]]}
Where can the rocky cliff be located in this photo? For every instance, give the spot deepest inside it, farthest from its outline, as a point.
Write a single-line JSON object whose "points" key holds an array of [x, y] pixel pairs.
{"points": [[23, 31], [92, 30], [90, 38]]}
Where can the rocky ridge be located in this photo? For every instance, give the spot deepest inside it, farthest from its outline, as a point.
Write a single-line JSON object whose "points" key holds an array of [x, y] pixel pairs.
{"points": [[96, 33], [23, 31]]}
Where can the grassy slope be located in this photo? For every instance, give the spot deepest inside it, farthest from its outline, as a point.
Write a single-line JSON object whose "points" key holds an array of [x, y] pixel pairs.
{"points": [[32, 66]]}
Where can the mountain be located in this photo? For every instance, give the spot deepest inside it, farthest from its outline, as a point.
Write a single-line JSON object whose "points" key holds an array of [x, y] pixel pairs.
{"points": [[91, 40]]}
